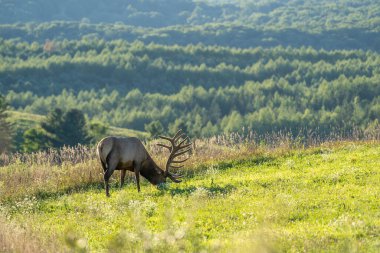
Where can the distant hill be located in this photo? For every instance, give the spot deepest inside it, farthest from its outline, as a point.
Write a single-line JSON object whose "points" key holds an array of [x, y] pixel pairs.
{"points": [[316, 15], [321, 24], [205, 66], [22, 121], [206, 90], [122, 66], [231, 35]]}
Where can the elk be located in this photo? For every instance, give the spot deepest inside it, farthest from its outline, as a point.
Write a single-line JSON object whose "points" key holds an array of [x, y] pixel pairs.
{"points": [[128, 153]]}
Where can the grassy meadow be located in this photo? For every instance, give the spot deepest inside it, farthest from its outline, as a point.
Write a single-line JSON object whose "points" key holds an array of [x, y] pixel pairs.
{"points": [[280, 97], [234, 198]]}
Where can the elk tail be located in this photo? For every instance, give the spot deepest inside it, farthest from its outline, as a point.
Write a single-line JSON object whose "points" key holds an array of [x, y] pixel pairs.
{"points": [[104, 150]]}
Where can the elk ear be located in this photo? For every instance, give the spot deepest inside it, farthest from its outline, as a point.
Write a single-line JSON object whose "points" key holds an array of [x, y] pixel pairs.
{"points": [[159, 171]]}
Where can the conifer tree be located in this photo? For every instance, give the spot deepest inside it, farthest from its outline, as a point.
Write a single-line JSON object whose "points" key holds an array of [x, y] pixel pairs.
{"points": [[67, 128]]}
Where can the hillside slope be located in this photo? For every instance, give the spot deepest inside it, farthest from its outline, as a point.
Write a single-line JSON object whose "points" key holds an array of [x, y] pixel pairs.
{"points": [[119, 65], [318, 199], [22, 121], [205, 90]]}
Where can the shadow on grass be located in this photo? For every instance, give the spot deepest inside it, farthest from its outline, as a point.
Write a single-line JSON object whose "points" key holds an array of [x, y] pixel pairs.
{"points": [[199, 170], [212, 190], [43, 195], [226, 165], [252, 161], [259, 160]]}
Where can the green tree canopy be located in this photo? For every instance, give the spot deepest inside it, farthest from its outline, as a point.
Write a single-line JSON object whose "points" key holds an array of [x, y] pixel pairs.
{"points": [[66, 128], [5, 128], [97, 130], [35, 139], [154, 128]]}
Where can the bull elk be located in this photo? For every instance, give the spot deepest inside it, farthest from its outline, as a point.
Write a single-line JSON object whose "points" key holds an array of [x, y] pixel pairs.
{"points": [[128, 153]]}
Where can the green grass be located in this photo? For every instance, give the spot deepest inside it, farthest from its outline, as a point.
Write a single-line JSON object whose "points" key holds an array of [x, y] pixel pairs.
{"points": [[23, 121], [119, 131], [313, 200]]}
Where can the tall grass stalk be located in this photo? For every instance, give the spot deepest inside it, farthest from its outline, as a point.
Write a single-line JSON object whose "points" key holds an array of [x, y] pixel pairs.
{"points": [[14, 238], [27, 179], [75, 168]]}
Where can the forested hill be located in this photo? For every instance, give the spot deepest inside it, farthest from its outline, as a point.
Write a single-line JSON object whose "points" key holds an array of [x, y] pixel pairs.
{"points": [[229, 35], [205, 66], [205, 90], [321, 24], [310, 15], [119, 65]]}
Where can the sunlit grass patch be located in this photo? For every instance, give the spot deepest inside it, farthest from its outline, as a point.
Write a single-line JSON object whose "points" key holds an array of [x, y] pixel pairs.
{"points": [[319, 199]]}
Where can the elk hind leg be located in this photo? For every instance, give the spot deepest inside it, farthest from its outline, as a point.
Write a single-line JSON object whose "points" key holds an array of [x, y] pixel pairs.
{"points": [[112, 164], [122, 177]]}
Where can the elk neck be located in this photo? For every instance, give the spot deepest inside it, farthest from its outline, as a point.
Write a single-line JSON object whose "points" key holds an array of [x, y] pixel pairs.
{"points": [[152, 172]]}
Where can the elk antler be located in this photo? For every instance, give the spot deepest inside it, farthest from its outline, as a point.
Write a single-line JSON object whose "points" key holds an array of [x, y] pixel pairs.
{"points": [[176, 150]]}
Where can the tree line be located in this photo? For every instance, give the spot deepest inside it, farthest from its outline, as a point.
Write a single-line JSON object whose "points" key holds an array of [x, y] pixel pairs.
{"points": [[239, 35], [268, 106], [310, 15], [205, 90], [119, 65]]}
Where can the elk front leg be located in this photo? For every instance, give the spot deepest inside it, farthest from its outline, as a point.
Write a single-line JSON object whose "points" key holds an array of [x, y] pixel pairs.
{"points": [[122, 177], [137, 174]]}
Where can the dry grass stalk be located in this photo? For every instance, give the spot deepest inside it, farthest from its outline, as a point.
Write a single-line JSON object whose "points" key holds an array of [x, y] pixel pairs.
{"points": [[72, 168], [14, 238]]}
